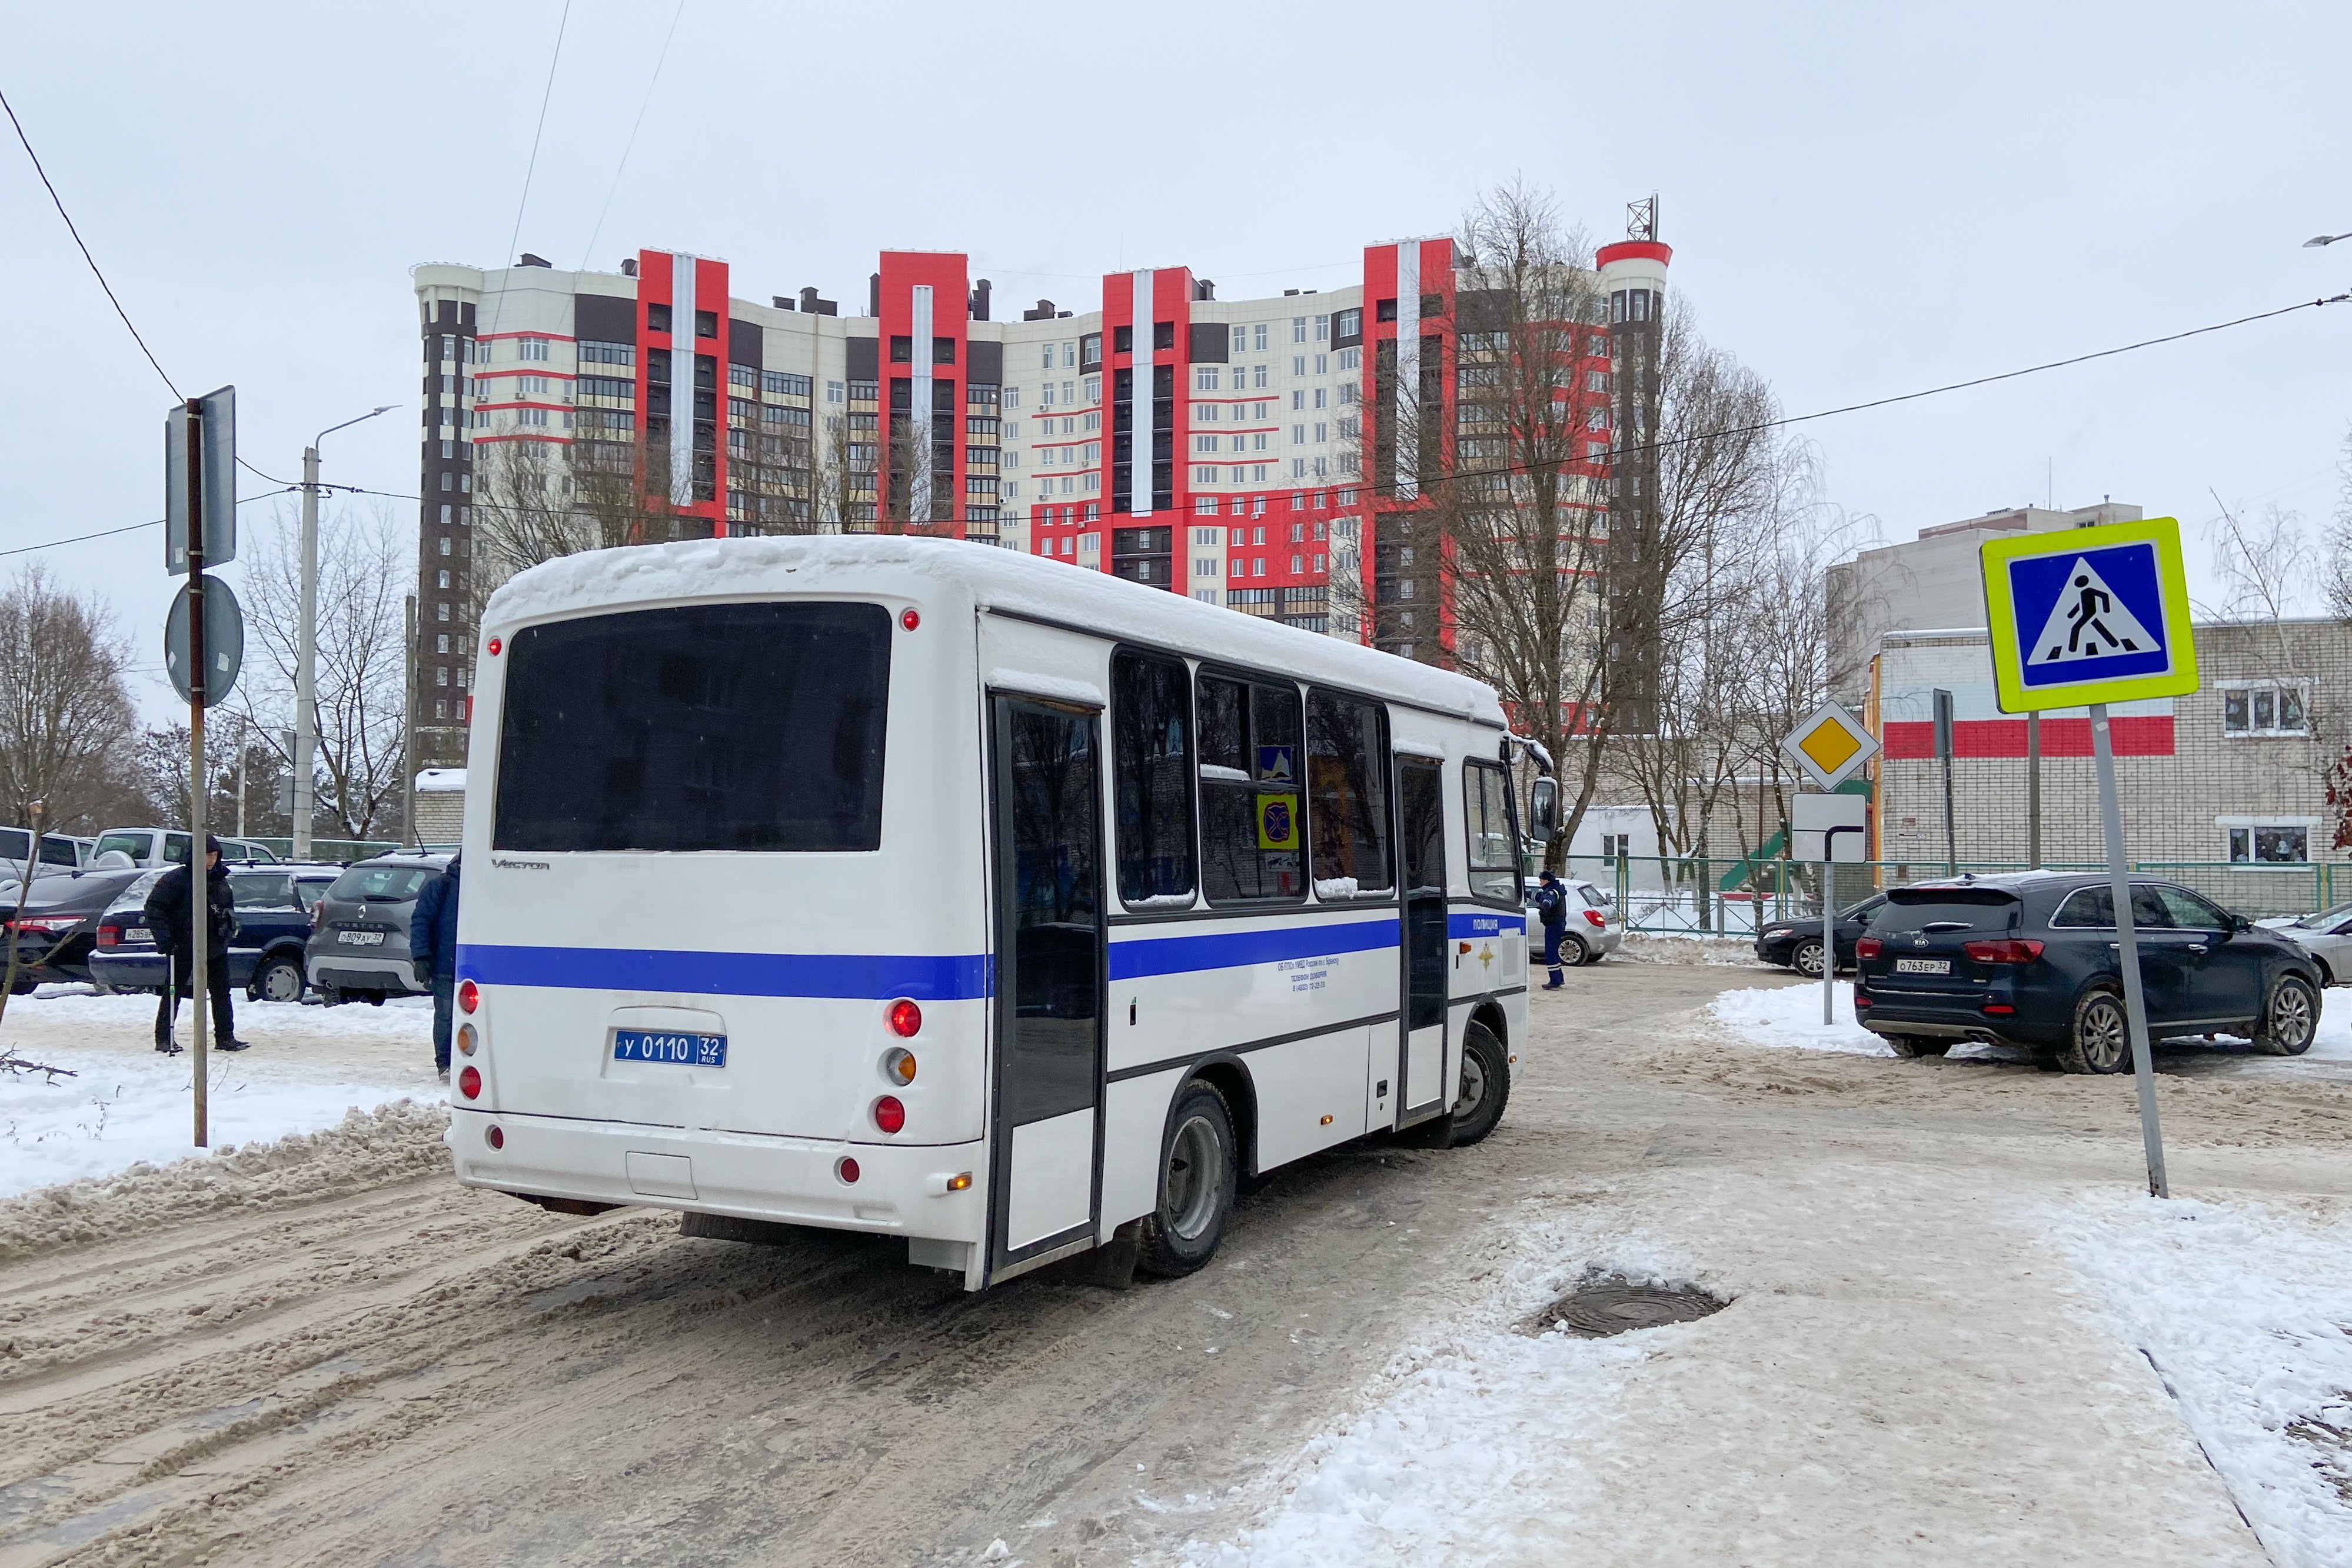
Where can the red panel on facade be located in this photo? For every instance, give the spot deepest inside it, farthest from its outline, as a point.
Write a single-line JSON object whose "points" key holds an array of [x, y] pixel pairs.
{"points": [[2144, 734], [948, 275]]}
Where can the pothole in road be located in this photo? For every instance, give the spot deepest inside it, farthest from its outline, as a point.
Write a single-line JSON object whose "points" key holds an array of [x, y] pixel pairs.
{"points": [[1609, 1304]]}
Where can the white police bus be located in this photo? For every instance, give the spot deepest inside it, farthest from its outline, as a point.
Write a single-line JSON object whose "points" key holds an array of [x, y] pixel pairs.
{"points": [[919, 887]]}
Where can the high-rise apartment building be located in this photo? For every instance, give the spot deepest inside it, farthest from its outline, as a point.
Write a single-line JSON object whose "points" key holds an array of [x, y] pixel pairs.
{"points": [[1239, 451]]}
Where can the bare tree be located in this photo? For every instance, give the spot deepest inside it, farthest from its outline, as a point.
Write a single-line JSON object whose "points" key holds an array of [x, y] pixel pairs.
{"points": [[66, 723], [358, 699], [536, 500]]}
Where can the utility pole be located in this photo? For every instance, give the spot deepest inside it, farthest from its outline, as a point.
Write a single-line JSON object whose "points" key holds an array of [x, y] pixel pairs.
{"points": [[306, 658], [200, 908], [244, 755], [408, 724]]}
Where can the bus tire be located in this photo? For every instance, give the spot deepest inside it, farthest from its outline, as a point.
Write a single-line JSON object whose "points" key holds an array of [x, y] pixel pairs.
{"points": [[1197, 1170], [1486, 1086]]}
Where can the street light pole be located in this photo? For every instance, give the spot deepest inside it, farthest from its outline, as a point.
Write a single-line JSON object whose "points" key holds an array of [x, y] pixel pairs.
{"points": [[306, 653], [2315, 241]]}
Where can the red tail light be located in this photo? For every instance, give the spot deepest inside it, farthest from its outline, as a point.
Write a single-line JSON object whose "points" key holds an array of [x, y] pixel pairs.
{"points": [[109, 935], [2008, 951], [846, 1169], [1999, 1007], [905, 1018], [496, 1137], [1868, 948], [469, 995], [889, 1114], [910, 619], [1595, 919], [470, 1083]]}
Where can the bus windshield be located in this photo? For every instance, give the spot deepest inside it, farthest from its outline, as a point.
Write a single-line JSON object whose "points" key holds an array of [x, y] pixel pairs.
{"points": [[714, 726]]}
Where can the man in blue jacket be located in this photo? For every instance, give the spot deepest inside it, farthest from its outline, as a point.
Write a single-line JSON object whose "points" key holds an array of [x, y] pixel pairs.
{"points": [[1551, 905], [432, 948]]}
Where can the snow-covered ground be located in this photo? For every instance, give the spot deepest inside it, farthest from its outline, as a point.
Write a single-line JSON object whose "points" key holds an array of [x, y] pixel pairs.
{"points": [[1791, 1016], [124, 1103], [2245, 1313]]}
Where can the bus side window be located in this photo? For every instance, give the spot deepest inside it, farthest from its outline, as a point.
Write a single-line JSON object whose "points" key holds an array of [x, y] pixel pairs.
{"points": [[1347, 785], [1494, 856], [1251, 839], [1151, 762]]}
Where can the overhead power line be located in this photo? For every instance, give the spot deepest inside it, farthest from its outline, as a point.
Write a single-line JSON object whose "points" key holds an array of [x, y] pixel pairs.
{"points": [[630, 145], [523, 203], [95, 272], [125, 528]]}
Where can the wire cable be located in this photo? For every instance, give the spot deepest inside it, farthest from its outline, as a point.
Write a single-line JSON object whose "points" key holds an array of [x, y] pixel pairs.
{"points": [[126, 528], [59, 202], [629, 146], [547, 95]]}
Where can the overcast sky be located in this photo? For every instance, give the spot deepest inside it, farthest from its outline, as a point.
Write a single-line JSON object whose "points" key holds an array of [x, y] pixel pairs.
{"points": [[1863, 199]]}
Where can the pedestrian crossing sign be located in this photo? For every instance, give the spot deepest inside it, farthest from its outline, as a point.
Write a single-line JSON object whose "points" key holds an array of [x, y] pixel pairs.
{"points": [[2088, 615]]}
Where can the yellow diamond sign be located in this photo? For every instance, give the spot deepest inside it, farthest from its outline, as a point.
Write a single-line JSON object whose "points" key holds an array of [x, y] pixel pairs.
{"points": [[1830, 746]]}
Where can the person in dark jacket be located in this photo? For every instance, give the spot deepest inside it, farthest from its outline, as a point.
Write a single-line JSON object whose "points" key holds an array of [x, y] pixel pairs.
{"points": [[170, 912], [1551, 904], [432, 948]]}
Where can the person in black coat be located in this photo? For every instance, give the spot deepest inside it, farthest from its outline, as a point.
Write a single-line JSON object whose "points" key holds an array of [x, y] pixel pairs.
{"points": [[433, 950], [170, 911], [1552, 908]]}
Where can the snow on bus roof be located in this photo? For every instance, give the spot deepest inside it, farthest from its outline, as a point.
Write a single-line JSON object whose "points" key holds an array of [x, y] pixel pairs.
{"points": [[999, 579]]}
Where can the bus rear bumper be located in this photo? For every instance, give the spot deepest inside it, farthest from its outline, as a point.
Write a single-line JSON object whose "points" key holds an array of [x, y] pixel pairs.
{"points": [[899, 1190]]}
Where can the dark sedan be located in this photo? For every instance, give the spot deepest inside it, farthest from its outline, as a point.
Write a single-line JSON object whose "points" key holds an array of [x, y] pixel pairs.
{"points": [[59, 926], [265, 955], [2032, 960], [1797, 944]]}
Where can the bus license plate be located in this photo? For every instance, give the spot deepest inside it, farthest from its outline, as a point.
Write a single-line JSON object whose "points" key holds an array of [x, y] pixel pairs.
{"points": [[664, 1045], [1923, 965]]}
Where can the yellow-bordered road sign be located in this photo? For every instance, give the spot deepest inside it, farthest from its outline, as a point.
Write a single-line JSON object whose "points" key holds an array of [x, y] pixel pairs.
{"points": [[1830, 745], [2088, 615]]}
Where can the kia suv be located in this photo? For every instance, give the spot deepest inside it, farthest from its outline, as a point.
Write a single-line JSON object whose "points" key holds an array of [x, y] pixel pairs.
{"points": [[2032, 960]]}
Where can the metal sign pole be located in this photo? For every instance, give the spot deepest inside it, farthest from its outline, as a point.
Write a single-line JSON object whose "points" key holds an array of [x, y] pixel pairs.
{"points": [[1828, 932], [2127, 950], [199, 884]]}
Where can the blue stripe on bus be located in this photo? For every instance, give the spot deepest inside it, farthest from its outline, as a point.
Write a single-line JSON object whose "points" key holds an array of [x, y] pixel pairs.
{"points": [[853, 977], [1134, 960], [1485, 925]]}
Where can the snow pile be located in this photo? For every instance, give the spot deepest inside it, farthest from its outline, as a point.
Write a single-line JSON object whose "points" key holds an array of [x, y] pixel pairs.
{"points": [[118, 1103], [2332, 1040], [1470, 1433], [2247, 1315], [1791, 1016], [399, 1140]]}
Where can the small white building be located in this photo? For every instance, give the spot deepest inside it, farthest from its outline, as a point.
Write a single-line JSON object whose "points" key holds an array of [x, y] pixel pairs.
{"points": [[440, 808]]}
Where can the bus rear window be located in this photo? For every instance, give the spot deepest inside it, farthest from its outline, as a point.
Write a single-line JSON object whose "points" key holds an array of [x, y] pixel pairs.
{"points": [[713, 726]]}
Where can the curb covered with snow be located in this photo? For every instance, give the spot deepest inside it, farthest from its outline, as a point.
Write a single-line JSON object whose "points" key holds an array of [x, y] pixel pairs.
{"points": [[2246, 1313], [1791, 1016]]}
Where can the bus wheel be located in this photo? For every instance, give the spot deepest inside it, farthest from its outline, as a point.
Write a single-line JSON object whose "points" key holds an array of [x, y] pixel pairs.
{"points": [[1196, 1185], [1486, 1086]]}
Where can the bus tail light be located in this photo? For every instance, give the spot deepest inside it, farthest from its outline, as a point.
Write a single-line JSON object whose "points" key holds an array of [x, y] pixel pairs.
{"points": [[846, 1169], [469, 995], [467, 1039], [470, 1083], [2010, 951], [496, 1137], [889, 1114], [1868, 948], [898, 1067], [910, 619], [905, 1018]]}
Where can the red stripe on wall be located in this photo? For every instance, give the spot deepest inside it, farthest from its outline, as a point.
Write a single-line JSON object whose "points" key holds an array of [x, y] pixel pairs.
{"points": [[2134, 736]]}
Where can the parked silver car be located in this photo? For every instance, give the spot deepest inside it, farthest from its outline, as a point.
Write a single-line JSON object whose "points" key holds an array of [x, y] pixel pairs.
{"points": [[1593, 931], [2327, 936], [359, 941]]}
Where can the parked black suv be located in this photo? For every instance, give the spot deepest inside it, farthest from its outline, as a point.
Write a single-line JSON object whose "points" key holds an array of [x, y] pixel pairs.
{"points": [[1797, 944], [2030, 960]]}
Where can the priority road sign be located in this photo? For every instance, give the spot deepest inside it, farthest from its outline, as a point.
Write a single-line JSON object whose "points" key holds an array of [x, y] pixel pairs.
{"points": [[2088, 615], [1830, 746]]}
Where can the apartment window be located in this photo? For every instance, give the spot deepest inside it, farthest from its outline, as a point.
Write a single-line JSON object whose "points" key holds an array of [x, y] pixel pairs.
{"points": [[1204, 444], [1322, 563], [1208, 413], [1298, 467], [531, 349], [1298, 365], [1206, 476], [1298, 565], [1047, 364], [902, 350], [445, 544], [1204, 568], [445, 581], [1258, 536], [706, 323], [1241, 339], [445, 517], [1298, 530], [1298, 398], [2263, 708], [1352, 359], [1258, 567], [2280, 844], [444, 610], [1069, 358], [1205, 506], [1241, 568], [1258, 337], [1320, 392], [1237, 443], [1322, 328], [1204, 378], [1322, 430], [1258, 379], [1094, 390], [1258, 441]]}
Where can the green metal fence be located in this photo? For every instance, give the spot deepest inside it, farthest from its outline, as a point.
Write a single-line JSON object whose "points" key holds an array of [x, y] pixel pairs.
{"points": [[329, 850], [1698, 895]]}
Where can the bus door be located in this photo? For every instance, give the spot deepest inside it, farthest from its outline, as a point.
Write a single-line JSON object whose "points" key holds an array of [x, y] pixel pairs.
{"points": [[1045, 1136], [1421, 806]]}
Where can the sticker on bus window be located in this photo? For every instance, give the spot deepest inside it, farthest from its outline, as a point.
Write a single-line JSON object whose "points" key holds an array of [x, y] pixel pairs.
{"points": [[1278, 820], [1276, 766]]}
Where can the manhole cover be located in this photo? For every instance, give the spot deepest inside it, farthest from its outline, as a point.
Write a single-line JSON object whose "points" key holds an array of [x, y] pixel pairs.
{"points": [[1598, 1308]]}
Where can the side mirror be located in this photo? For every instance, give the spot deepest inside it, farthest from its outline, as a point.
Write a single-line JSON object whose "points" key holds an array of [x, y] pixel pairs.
{"points": [[1543, 809]]}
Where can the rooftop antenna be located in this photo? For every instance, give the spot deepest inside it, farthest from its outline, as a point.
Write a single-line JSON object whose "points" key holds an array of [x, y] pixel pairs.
{"points": [[1642, 218]]}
